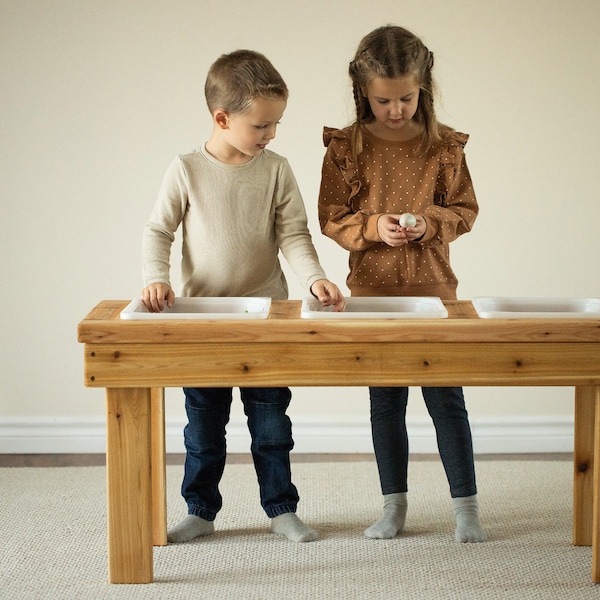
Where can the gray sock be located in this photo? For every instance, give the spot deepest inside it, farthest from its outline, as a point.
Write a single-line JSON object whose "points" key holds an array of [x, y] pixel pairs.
{"points": [[392, 521], [189, 528], [290, 526], [468, 527]]}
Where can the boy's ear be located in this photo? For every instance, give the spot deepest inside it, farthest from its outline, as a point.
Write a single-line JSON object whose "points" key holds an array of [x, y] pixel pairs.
{"points": [[221, 118]]}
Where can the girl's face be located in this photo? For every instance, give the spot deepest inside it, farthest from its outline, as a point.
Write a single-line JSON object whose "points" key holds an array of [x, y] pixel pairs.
{"points": [[394, 103]]}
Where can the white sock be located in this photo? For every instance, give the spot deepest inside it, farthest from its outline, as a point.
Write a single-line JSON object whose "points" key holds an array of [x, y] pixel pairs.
{"points": [[189, 528], [468, 527], [392, 521], [290, 526]]}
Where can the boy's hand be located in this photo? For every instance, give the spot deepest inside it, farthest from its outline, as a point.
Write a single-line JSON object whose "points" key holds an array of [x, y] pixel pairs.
{"points": [[328, 294], [155, 295]]}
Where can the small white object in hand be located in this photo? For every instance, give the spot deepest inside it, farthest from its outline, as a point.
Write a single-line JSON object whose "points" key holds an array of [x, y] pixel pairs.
{"points": [[407, 220]]}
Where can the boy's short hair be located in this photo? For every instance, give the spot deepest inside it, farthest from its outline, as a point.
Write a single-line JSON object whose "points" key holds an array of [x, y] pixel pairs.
{"points": [[236, 79]]}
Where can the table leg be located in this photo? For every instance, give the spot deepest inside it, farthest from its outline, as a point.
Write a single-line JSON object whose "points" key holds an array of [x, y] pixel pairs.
{"points": [[596, 501], [129, 485], [583, 465], [159, 474]]}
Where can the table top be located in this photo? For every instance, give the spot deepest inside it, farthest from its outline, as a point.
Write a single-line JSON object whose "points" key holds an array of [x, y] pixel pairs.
{"points": [[284, 324]]}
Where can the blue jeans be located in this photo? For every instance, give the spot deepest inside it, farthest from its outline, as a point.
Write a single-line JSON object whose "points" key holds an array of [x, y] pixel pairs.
{"points": [[271, 432], [446, 406]]}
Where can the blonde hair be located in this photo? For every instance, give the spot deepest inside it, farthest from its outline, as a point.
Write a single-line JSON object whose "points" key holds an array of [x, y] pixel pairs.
{"points": [[390, 52], [236, 79]]}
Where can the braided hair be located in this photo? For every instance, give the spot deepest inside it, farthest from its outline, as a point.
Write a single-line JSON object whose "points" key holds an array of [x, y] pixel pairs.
{"points": [[390, 52]]}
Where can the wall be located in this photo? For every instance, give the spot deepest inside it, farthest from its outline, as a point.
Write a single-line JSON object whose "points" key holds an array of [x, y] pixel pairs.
{"points": [[96, 98]]}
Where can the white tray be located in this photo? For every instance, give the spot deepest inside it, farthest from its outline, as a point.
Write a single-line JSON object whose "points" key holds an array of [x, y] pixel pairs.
{"points": [[388, 307], [535, 308], [203, 308]]}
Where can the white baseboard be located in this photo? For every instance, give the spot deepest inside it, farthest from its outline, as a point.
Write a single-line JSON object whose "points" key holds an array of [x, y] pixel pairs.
{"points": [[495, 435]]}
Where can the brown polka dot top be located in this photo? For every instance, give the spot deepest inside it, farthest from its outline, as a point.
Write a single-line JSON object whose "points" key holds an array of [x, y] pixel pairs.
{"points": [[394, 177]]}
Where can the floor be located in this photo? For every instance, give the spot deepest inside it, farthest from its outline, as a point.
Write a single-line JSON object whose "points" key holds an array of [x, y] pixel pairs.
{"points": [[91, 460]]}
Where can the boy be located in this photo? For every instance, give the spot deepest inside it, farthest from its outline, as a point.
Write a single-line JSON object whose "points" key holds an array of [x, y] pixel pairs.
{"points": [[239, 205]]}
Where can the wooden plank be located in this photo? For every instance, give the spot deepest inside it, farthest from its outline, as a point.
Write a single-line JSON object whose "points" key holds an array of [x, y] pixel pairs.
{"points": [[159, 472], [596, 494], [139, 365], [460, 309], [349, 331], [106, 310], [583, 464], [129, 487], [284, 324]]}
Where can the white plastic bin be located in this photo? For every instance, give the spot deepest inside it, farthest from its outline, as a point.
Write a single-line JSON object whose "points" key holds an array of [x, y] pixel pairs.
{"points": [[531, 308], [203, 308], [388, 307]]}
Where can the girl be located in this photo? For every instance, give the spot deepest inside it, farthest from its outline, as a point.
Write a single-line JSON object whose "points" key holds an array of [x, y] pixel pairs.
{"points": [[396, 158]]}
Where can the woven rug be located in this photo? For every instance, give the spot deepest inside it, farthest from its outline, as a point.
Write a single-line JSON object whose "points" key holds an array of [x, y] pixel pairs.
{"points": [[54, 538]]}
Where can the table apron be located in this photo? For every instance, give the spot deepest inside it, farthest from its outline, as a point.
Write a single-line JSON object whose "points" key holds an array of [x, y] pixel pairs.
{"points": [[340, 364]]}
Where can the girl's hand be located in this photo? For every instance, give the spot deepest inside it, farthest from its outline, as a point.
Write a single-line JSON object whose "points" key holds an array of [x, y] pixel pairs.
{"points": [[328, 294], [155, 295], [393, 234]]}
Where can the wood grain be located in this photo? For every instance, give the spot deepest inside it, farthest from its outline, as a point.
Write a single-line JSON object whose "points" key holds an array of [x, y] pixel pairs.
{"points": [[284, 324], [247, 364], [129, 491], [583, 465]]}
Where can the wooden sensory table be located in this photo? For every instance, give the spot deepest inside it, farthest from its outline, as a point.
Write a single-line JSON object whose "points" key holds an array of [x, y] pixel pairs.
{"points": [[136, 360]]}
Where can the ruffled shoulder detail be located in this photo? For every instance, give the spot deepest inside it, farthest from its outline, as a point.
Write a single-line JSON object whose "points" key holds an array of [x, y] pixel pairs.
{"points": [[453, 145], [330, 133], [451, 157], [339, 147]]}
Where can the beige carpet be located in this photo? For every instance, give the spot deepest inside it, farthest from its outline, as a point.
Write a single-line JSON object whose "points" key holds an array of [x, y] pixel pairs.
{"points": [[53, 541]]}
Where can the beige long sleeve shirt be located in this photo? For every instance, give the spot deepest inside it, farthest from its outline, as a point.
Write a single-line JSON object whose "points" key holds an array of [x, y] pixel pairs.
{"points": [[235, 219]]}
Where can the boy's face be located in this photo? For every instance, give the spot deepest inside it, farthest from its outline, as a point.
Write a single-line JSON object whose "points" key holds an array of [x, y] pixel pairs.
{"points": [[248, 133]]}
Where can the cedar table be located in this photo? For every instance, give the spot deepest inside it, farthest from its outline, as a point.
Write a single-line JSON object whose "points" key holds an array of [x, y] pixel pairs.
{"points": [[136, 360]]}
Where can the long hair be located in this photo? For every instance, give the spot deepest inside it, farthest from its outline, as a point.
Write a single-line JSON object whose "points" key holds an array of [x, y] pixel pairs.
{"points": [[390, 52]]}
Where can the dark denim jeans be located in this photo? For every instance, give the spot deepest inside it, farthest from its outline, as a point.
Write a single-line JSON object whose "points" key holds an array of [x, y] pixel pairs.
{"points": [[446, 406], [271, 432]]}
